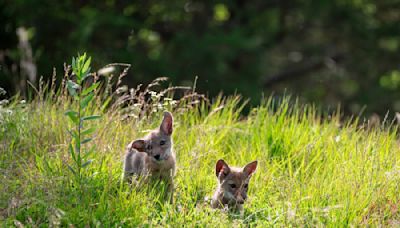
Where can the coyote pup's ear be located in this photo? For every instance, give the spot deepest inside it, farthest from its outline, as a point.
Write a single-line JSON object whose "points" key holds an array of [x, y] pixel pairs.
{"points": [[139, 145], [166, 124], [250, 168], [221, 167]]}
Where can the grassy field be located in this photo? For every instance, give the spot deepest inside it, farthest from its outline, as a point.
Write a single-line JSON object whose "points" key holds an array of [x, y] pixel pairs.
{"points": [[312, 170]]}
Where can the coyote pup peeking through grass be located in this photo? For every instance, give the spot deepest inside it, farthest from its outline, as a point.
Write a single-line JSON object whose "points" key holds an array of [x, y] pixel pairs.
{"points": [[152, 155], [233, 184]]}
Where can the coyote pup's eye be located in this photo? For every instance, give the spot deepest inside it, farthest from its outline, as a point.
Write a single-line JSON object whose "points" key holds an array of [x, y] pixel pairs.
{"points": [[162, 142], [149, 147], [246, 186], [232, 185]]}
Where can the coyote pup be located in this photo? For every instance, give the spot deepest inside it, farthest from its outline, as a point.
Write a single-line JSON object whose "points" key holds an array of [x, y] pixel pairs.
{"points": [[152, 155], [232, 185]]}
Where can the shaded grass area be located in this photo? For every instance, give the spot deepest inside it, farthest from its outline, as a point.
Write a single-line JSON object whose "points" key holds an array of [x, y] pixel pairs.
{"points": [[312, 171]]}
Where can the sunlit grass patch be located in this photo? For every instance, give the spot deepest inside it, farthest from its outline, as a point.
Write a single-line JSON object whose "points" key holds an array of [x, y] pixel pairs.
{"points": [[312, 170]]}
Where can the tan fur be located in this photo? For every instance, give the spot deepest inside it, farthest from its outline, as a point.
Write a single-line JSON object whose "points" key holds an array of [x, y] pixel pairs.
{"points": [[232, 185], [153, 155]]}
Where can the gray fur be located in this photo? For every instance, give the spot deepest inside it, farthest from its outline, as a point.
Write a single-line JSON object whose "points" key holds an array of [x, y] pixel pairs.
{"points": [[134, 163], [153, 154]]}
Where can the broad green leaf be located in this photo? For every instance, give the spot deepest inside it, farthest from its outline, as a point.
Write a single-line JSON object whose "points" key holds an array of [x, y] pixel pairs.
{"points": [[85, 73], [86, 66], [73, 116], [80, 63], [93, 117], [73, 64], [71, 112], [72, 86], [90, 89], [82, 57], [85, 101]]}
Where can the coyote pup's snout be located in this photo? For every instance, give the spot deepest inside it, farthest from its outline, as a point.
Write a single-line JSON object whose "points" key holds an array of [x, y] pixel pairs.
{"points": [[232, 186], [153, 154]]}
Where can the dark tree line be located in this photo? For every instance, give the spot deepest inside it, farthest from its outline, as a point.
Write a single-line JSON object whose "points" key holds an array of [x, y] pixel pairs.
{"points": [[324, 51]]}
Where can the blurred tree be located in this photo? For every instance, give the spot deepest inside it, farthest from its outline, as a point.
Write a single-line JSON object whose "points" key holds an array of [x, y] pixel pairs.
{"points": [[326, 51]]}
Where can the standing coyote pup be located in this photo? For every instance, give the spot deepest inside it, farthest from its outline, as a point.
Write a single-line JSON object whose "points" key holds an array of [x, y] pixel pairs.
{"points": [[233, 184], [152, 155]]}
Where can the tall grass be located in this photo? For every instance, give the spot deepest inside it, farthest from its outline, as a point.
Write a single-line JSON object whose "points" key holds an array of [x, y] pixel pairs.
{"points": [[312, 170]]}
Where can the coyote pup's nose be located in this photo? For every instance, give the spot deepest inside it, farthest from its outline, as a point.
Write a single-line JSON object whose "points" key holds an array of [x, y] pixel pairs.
{"points": [[157, 157]]}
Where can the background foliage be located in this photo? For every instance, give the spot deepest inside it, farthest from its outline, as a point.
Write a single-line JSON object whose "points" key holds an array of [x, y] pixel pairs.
{"points": [[325, 51]]}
